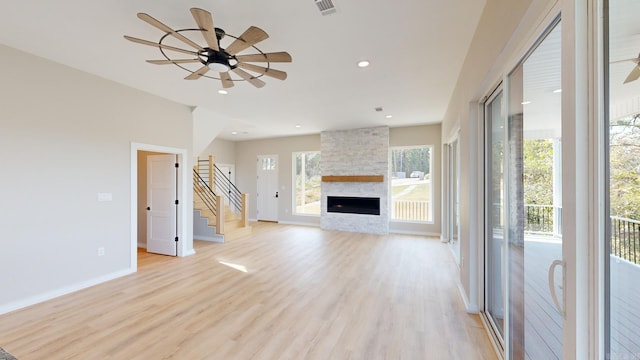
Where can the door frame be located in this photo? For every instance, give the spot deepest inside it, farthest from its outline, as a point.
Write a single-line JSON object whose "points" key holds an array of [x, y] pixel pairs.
{"points": [[499, 343], [185, 212]]}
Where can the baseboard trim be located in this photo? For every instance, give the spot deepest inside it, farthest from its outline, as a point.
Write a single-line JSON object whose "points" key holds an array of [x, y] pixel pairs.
{"points": [[216, 239], [142, 245], [36, 299], [189, 252], [299, 223], [470, 308], [419, 233]]}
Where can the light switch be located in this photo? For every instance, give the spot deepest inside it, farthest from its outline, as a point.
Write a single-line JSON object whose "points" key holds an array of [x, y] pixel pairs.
{"points": [[105, 197]]}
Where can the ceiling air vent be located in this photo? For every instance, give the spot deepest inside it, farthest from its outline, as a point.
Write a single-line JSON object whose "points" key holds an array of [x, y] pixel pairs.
{"points": [[326, 7]]}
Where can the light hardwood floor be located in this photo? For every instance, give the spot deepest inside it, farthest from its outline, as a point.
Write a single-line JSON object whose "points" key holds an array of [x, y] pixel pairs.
{"points": [[285, 292]]}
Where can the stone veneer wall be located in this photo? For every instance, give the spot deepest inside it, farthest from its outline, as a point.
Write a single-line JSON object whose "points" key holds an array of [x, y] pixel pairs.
{"points": [[356, 152]]}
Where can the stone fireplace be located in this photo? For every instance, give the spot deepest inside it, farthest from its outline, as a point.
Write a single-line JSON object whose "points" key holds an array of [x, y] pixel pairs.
{"points": [[355, 167]]}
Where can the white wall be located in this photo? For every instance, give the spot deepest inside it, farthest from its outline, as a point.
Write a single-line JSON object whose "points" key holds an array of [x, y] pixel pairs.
{"points": [[66, 136], [224, 151]]}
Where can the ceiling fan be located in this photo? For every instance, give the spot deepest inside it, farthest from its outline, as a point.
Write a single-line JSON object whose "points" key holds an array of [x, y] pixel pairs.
{"points": [[635, 73], [213, 57]]}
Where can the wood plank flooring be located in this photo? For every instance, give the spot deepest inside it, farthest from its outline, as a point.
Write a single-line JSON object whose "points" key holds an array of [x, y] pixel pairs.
{"points": [[285, 292]]}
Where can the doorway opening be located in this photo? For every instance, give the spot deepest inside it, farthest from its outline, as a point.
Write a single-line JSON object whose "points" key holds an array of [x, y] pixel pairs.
{"points": [[181, 212]]}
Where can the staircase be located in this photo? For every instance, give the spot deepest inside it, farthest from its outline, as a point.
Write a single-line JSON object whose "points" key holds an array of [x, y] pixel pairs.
{"points": [[219, 201]]}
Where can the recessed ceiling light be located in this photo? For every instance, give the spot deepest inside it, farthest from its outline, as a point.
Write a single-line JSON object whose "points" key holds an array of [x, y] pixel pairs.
{"points": [[223, 92], [557, 91], [234, 133], [363, 63], [389, 116], [525, 102], [298, 126]]}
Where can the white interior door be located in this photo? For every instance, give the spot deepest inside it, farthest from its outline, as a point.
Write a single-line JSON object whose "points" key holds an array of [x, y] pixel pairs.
{"points": [[161, 204], [267, 196]]}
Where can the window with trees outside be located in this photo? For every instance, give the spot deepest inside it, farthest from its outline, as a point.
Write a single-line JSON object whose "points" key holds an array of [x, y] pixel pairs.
{"points": [[411, 184], [307, 180]]}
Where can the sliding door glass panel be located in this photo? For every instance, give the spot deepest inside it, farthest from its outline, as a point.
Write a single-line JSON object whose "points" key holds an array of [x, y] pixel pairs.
{"points": [[494, 220], [623, 165], [534, 211]]}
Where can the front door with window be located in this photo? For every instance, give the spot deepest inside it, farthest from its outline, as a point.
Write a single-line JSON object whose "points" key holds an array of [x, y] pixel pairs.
{"points": [[267, 195]]}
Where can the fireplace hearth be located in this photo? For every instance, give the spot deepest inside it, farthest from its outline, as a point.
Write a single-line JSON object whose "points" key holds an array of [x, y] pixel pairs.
{"points": [[353, 205]]}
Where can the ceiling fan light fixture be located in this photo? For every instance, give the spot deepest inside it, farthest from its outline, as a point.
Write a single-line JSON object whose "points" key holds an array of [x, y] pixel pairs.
{"points": [[218, 67], [212, 57]]}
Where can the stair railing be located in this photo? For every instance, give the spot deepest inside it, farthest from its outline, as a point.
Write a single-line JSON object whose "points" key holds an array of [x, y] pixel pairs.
{"points": [[228, 188], [204, 192], [217, 179]]}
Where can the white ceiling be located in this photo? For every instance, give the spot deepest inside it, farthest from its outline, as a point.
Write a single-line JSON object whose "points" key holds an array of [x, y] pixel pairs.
{"points": [[416, 50]]}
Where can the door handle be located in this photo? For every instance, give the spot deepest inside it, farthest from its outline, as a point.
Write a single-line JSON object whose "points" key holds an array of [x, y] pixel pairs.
{"points": [[552, 285], [148, 208], [276, 194]]}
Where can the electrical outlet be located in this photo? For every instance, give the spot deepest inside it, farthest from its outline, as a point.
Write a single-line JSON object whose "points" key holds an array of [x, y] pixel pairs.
{"points": [[100, 251]]}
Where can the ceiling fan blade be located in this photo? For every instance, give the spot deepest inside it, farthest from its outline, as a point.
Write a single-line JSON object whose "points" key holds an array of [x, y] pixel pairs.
{"points": [[226, 80], [634, 75], [176, 61], [198, 73], [250, 37], [153, 22], [204, 19], [268, 57], [277, 74], [245, 75], [151, 43]]}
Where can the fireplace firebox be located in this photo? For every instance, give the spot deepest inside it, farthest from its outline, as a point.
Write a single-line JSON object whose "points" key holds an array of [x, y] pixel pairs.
{"points": [[353, 205]]}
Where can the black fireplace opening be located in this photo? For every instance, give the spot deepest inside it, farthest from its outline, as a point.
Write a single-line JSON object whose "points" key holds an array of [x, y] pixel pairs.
{"points": [[353, 205]]}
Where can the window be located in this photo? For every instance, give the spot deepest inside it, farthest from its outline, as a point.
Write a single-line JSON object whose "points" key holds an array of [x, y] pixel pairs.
{"points": [[268, 164], [411, 184], [306, 178]]}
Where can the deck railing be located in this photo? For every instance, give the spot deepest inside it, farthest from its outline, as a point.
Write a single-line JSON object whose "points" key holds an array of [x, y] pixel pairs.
{"points": [[412, 210], [625, 239], [543, 219], [625, 233]]}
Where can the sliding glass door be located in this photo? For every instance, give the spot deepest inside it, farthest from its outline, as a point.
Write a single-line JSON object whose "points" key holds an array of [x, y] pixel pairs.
{"points": [[533, 170], [523, 216], [622, 258]]}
